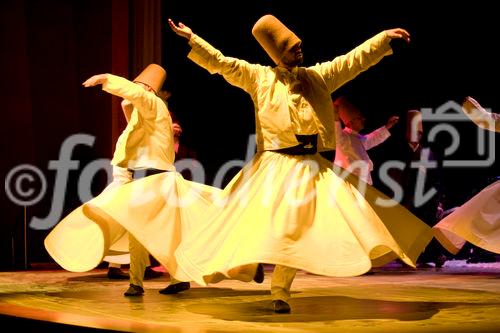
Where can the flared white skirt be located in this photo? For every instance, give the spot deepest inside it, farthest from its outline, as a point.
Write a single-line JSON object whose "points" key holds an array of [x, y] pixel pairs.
{"points": [[296, 211], [157, 210], [476, 221]]}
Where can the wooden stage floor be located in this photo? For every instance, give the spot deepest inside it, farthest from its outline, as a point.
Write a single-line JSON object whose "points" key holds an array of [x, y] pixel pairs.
{"points": [[456, 298]]}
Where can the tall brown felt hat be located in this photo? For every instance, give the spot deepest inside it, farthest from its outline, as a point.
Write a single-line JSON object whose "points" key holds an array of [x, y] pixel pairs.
{"points": [[274, 37], [347, 111], [153, 75]]}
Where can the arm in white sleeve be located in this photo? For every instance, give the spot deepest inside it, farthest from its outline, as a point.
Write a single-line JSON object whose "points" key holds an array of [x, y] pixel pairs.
{"points": [[235, 71], [481, 117], [346, 67], [144, 101], [376, 137]]}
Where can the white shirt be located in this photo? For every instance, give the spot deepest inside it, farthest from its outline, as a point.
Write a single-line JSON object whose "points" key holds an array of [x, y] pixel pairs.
{"points": [[351, 150]]}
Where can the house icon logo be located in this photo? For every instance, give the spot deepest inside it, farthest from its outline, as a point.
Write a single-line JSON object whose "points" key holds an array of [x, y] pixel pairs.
{"points": [[443, 121]]}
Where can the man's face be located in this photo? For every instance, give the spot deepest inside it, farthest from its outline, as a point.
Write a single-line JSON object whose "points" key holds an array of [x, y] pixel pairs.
{"points": [[414, 137], [358, 123], [293, 57]]}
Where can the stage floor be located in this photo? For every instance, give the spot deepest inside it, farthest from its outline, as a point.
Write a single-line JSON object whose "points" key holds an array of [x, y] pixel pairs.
{"points": [[455, 298]]}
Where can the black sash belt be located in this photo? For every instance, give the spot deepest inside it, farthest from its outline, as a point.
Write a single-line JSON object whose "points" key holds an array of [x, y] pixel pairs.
{"points": [[141, 173], [308, 144]]}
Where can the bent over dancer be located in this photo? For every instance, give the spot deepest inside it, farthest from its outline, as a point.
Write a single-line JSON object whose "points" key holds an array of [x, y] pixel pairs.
{"points": [[478, 220]]}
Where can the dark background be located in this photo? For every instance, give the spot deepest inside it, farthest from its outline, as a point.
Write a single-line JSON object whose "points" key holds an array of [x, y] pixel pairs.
{"points": [[50, 47]]}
